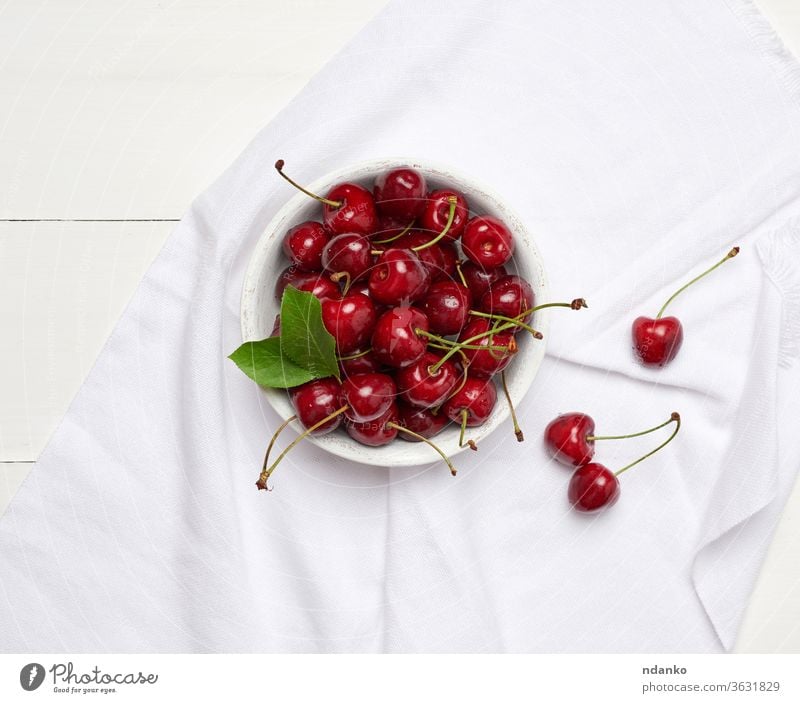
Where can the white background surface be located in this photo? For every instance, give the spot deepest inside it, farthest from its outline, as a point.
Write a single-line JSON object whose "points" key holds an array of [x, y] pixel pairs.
{"points": [[115, 115]]}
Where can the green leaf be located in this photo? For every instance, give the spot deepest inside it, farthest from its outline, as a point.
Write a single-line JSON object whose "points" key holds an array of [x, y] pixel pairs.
{"points": [[265, 363], [304, 338]]}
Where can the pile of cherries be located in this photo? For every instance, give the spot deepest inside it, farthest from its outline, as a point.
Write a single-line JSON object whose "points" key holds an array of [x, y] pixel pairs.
{"points": [[415, 292]]}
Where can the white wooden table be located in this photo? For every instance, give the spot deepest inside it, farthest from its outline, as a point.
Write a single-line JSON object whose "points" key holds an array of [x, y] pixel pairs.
{"points": [[114, 116]]}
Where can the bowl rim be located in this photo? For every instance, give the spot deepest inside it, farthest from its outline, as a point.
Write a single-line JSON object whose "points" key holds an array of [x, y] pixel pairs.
{"points": [[356, 171]]}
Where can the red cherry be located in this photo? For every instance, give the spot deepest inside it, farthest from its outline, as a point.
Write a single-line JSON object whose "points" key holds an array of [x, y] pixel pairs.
{"points": [[566, 438], [437, 212], [400, 193], [348, 253], [367, 395], [656, 341], [487, 241], [398, 278], [422, 421], [389, 228], [509, 296], [350, 320], [449, 259], [303, 244], [311, 282], [485, 362], [479, 280], [418, 386], [395, 341], [432, 257], [476, 398], [377, 432], [592, 487], [446, 304], [314, 401], [359, 363], [356, 212]]}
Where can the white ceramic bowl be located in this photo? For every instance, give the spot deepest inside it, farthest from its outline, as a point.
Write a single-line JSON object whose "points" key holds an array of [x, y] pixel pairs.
{"points": [[259, 305]]}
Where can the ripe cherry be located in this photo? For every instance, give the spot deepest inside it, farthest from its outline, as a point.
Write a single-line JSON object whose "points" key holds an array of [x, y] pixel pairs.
{"points": [[446, 304], [479, 279], [432, 257], [377, 432], [398, 278], [487, 241], [449, 257], [593, 486], [316, 400], [400, 193], [656, 341], [471, 405], [421, 421], [437, 212], [348, 207], [303, 245], [359, 362], [494, 351], [509, 296], [367, 395], [570, 437], [311, 282], [351, 320], [349, 254], [396, 340], [419, 386]]}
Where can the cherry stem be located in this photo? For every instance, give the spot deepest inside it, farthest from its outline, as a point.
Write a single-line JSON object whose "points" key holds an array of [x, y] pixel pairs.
{"points": [[733, 252], [469, 442], [455, 346], [517, 430], [576, 304], [461, 274], [592, 438], [450, 217], [674, 418], [336, 277], [357, 355], [396, 236], [467, 342], [427, 441], [503, 318], [333, 203], [283, 426], [266, 473]]}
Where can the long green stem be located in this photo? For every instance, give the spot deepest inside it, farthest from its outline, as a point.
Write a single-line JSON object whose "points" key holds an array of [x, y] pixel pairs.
{"points": [[442, 341], [733, 252], [576, 304], [450, 217], [396, 236], [517, 430], [333, 203], [593, 438], [491, 316], [283, 426], [266, 473], [357, 355], [469, 340], [677, 420], [427, 441]]}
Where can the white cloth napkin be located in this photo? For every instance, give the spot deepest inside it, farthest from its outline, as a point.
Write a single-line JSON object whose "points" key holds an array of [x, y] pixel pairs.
{"points": [[639, 141]]}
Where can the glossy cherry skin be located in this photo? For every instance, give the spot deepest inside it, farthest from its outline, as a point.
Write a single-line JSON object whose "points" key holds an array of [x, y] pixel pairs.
{"points": [[389, 227], [479, 279], [449, 257], [368, 396], [487, 241], [303, 245], [314, 401], [374, 433], [395, 341], [357, 212], [484, 363], [350, 320], [417, 386], [311, 282], [510, 296], [348, 252], [593, 487], [437, 212], [477, 397], [431, 257], [400, 193], [366, 363], [421, 420], [398, 278], [565, 438], [656, 342], [446, 305]]}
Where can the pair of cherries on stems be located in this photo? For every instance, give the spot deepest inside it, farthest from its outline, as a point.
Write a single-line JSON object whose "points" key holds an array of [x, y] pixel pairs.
{"points": [[570, 439]]}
